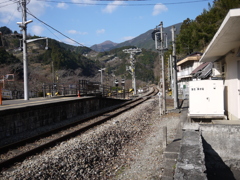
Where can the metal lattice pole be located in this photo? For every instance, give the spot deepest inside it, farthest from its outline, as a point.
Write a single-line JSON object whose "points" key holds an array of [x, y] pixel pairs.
{"points": [[131, 69]]}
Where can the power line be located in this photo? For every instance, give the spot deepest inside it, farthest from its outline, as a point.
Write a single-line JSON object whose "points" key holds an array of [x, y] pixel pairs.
{"points": [[102, 4], [53, 28], [7, 4], [4, 2]]}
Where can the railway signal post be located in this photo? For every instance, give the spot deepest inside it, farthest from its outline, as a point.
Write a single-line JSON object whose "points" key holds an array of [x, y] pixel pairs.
{"points": [[160, 39]]}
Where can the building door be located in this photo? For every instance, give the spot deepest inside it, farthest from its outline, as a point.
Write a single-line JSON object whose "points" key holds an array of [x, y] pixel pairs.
{"points": [[238, 71]]}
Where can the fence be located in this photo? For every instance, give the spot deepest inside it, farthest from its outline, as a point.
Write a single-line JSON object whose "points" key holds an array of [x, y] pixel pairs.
{"points": [[83, 88]]}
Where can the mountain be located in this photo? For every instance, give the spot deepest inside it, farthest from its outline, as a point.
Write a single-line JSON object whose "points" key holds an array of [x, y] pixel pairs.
{"points": [[145, 40], [142, 41], [105, 46]]}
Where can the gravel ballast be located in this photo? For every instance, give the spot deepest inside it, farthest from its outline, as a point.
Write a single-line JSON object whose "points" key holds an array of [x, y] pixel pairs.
{"points": [[126, 147]]}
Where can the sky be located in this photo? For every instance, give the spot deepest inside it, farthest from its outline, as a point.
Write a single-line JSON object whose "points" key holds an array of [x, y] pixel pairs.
{"points": [[90, 22]]}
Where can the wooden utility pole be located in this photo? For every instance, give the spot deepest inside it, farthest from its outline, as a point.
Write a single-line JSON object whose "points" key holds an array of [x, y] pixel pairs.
{"points": [[175, 84]]}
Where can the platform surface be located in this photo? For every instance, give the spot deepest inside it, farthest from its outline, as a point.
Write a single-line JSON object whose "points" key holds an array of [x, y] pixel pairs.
{"points": [[227, 122], [17, 103]]}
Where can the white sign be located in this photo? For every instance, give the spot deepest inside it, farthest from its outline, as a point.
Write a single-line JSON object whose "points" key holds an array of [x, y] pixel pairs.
{"points": [[6, 94]]}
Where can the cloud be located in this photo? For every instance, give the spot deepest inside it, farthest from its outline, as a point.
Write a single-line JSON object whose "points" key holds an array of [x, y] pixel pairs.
{"points": [[126, 38], [37, 30], [36, 7], [69, 41], [112, 6], [100, 31], [159, 8], [77, 32], [72, 32], [62, 5], [10, 13]]}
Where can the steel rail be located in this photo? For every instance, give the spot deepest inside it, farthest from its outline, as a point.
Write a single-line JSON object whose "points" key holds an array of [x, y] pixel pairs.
{"points": [[58, 132]]}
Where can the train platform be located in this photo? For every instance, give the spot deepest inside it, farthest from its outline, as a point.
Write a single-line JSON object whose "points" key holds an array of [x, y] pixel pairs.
{"points": [[226, 122], [17, 103]]}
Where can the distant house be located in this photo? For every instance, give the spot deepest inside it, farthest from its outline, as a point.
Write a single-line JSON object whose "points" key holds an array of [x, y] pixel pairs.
{"points": [[185, 67], [224, 52]]}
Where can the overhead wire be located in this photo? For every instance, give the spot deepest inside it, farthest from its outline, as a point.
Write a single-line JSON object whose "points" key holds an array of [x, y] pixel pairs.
{"points": [[4, 2], [104, 4], [7, 4], [12, 12], [53, 28], [68, 2]]}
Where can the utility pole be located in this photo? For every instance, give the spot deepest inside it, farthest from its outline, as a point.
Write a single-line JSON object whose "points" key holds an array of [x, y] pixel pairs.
{"points": [[163, 69], [25, 61], [175, 84], [102, 69], [23, 26], [131, 68], [171, 72], [160, 37]]}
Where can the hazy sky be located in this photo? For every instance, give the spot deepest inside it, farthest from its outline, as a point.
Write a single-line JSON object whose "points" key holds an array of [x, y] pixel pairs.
{"points": [[92, 22]]}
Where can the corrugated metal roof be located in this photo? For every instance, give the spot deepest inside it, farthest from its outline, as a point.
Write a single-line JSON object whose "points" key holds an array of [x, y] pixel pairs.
{"points": [[202, 71], [206, 71], [200, 67]]}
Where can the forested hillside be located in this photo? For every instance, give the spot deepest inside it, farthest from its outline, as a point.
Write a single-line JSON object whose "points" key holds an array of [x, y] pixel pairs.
{"points": [[62, 63], [147, 64], [196, 34]]}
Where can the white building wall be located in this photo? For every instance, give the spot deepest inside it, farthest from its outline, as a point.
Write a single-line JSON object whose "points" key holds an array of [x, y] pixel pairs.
{"points": [[196, 64], [231, 84]]}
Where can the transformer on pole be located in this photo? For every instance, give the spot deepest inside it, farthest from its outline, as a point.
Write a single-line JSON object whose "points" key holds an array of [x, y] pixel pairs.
{"points": [[131, 68]]}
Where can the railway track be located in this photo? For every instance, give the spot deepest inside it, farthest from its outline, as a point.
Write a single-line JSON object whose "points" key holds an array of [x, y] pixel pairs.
{"points": [[19, 151]]}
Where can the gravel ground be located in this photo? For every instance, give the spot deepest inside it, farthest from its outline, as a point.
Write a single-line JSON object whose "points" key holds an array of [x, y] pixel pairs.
{"points": [[126, 147]]}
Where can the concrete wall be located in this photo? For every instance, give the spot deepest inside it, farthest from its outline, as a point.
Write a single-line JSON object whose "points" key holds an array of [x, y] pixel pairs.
{"points": [[224, 139], [209, 151], [232, 83], [27, 119], [220, 145]]}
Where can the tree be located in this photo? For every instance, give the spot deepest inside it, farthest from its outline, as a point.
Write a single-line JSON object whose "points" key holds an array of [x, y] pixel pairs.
{"points": [[5, 30], [196, 34], [184, 39]]}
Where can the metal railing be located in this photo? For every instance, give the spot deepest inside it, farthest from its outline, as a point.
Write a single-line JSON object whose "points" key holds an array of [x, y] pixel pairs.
{"points": [[83, 88]]}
